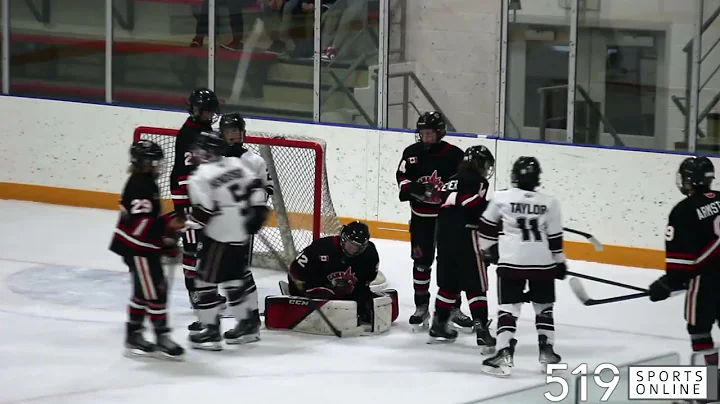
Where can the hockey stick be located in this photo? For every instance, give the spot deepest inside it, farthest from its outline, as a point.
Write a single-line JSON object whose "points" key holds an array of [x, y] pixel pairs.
{"points": [[606, 281], [595, 242], [579, 290], [311, 302]]}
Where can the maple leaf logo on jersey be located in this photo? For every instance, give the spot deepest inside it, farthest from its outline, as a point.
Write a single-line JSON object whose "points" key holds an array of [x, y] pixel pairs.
{"points": [[437, 183], [343, 281]]}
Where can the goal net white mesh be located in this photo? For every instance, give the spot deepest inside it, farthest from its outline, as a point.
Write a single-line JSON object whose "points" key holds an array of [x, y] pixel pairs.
{"points": [[302, 209]]}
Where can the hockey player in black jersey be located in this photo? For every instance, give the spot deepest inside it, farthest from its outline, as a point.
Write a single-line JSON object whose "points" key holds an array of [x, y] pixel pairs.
{"points": [[424, 168], [461, 263], [337, 267], [202, 105], [142, 236], [692, 254]]}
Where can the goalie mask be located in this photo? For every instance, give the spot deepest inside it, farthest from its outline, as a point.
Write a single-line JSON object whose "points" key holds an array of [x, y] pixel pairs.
{"points": [[354, 238], [209, 147], [146, 157]]}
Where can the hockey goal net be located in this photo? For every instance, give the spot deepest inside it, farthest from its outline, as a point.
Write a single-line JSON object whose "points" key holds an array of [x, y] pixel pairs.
{"points": [[302, 209]]}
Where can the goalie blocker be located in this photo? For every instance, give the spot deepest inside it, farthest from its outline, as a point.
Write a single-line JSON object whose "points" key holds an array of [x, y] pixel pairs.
{"points": [[299, 314]]}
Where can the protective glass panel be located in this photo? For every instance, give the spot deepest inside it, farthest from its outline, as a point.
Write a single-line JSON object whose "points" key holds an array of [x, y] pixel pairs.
{"points": [[57, 49]]}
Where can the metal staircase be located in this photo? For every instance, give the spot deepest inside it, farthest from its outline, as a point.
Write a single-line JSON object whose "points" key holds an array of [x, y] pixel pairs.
{"points": [[683, 103]]}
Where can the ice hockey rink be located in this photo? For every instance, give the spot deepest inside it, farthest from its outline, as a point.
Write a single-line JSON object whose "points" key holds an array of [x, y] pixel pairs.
{"points": [[62, 311]]}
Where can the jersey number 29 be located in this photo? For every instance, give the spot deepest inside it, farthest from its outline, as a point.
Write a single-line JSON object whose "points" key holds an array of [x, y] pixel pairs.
{"points": [[530, 229]]}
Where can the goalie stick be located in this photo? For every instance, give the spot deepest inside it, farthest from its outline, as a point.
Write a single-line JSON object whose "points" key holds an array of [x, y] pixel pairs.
{"points": [[595, 242], [311, 302]]}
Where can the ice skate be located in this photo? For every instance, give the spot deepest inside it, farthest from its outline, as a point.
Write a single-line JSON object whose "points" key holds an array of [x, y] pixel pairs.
{"points": [[209, 339], [546, 353], [441, 332], [137, 346], [420, 319], [461, 321], [246, 331], [166, 348], [485, 340], [502, 363], [195, 328]]}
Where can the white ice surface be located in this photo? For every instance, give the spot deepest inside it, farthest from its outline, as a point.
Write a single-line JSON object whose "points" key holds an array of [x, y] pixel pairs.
{"points": [[62, 312]]}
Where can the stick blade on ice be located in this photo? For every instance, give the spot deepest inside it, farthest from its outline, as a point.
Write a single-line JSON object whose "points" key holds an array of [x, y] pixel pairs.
{"points": [[596, 243], [579, 290]]}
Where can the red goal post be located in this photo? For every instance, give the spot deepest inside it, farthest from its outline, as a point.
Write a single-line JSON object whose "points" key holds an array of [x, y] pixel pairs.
{"points": [[302, 209]]}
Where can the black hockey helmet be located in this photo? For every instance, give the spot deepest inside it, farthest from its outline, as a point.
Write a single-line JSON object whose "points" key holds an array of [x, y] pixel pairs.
{"points": [[146, 156], [526, 173], [202, 100], [695, 174], [430, 123], [481, 159], [354, 238], [209, 146], [229, 122]]}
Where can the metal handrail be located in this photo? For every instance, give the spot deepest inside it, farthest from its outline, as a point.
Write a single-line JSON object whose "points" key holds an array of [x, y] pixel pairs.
{"points": [[591, 104], [408, 75], [705, 26], [678, 103]]}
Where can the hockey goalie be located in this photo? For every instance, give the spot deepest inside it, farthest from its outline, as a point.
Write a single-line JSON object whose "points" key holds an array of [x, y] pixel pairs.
{"points": [[333, 274]]}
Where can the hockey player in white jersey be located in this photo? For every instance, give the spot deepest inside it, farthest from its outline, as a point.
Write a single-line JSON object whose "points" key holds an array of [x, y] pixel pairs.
{"points": [[529, 252], [232, 128], [229, 204]]}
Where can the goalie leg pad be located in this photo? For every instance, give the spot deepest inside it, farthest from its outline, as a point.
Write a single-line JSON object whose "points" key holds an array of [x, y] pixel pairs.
{"points": [[296, 314], [393, 295], [382, 314]]}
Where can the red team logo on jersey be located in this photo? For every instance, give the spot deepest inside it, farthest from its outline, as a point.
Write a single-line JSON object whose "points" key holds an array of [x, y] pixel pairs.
{"points": [[437, 184], [344, 280]]}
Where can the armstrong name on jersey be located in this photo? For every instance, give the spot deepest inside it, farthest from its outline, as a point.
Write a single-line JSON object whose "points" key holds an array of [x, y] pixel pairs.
{"points": [[711, 209]]}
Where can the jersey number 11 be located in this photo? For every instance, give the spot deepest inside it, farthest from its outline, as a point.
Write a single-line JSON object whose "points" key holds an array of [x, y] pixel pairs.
{"points": [[530, 229]]}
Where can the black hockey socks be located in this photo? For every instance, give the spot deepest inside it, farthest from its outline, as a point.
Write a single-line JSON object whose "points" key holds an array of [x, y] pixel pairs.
{"points": [[444, 303], [478, 306], [158, 314], [544, 322], [208, 302], [243, 299], [190, 245], [506, 327], [421, 285], [702, 344], [136, 312]]}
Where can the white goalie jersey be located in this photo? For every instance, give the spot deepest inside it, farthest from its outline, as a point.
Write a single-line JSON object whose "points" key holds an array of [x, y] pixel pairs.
{"points": [[528, 227], [221, 193]]}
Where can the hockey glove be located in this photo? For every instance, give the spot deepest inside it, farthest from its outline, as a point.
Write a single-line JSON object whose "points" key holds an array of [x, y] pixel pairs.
{"points": [[490, 256], [560, 270], [659, 290], [255, 218], [417, 190]]}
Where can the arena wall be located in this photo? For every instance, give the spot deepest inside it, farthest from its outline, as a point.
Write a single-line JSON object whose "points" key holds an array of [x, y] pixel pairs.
{"points": [[76, 154]]}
